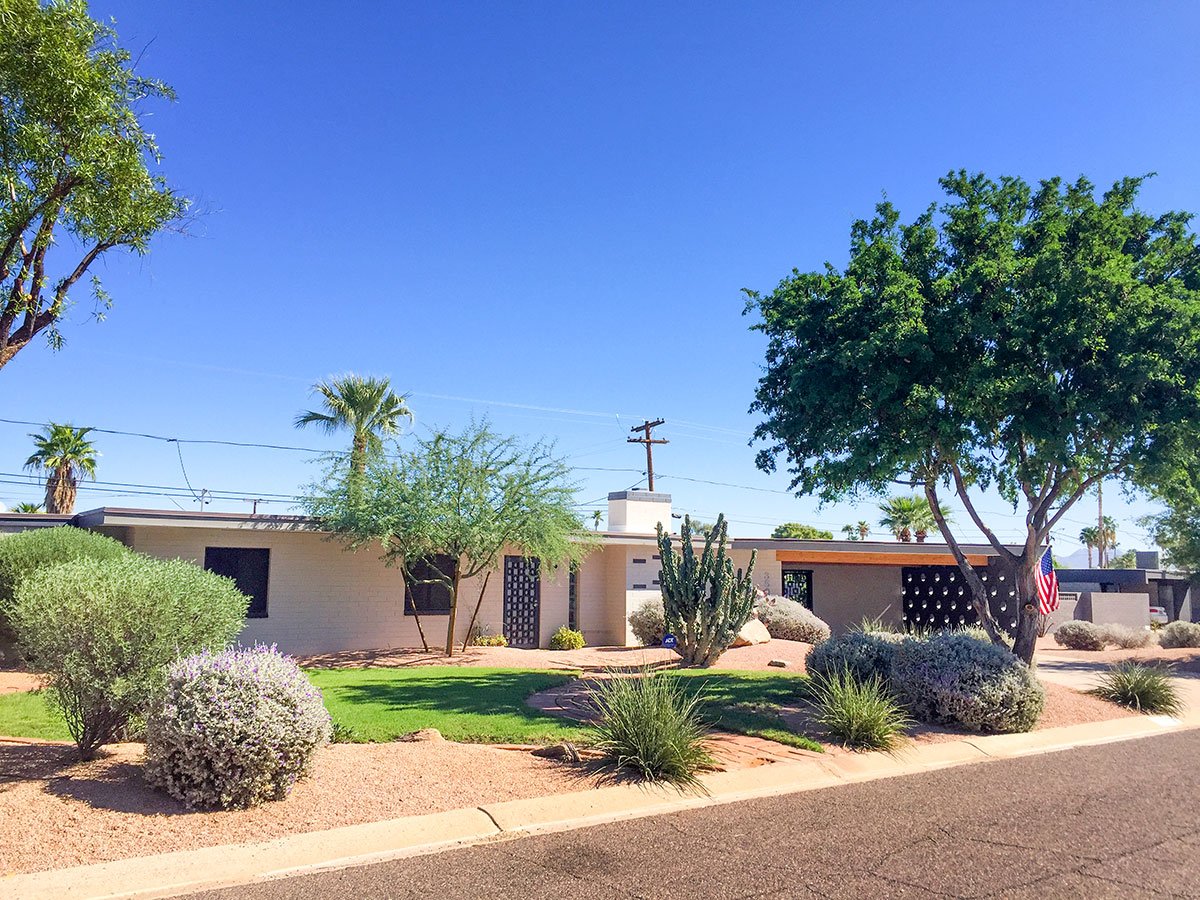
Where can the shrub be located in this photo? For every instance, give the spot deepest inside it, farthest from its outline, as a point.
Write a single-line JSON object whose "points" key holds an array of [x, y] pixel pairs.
{"points": [[1180, 634], [24, 553], [705, 601], [567, 639], [862, 715], [234, 729], [1144, 688], [481, 636], [1127, 638], [648, 623], [954, 679], [104, 630], [862, 654], [651, 724], [789, 620], [1077, 635]]}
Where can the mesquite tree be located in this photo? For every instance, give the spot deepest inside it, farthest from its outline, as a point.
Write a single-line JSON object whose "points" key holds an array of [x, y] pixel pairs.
{"points": [[467, 497], [76, 177], [705, 602], [1033, 340]]}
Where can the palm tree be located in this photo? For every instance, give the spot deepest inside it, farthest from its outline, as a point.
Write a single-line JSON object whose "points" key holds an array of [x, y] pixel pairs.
{"points": [[1107, 542], [596, 517], [365, 406], [901, 515], [1090, 538], [66, 455], [859, 531], [28, 508], [909, 516]]}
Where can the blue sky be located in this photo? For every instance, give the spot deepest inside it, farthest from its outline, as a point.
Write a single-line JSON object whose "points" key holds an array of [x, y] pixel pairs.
{"points": [[555, 206]]}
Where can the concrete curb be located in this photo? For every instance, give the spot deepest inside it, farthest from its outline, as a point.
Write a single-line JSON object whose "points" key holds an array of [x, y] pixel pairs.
{"points": [[189, 871]]}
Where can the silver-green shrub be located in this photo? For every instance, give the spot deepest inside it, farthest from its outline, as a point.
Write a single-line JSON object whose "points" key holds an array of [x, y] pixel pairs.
{"points": [[789, 620], [861, 654], [1127, 638], [103, 631], [1077, 635], [234, 729], [648, 623], [954, 679], [23, 554], [1180, 634]]}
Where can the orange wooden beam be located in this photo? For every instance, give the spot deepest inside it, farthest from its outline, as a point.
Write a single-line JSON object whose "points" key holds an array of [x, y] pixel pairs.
{"points": [[880, 558]]}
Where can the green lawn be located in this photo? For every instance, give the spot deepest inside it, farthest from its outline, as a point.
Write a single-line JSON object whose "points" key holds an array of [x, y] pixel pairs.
{"points": [[30, 714], [464, 704], [748, 703], [481, 705]]}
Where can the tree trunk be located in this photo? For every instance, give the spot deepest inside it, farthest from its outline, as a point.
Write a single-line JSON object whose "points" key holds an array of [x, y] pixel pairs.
{"points": [[475, 614], [1025, 640], [453, 612]]}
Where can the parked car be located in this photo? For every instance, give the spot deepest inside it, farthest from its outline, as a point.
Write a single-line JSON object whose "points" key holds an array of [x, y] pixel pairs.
{"points": [[1158, 615]]}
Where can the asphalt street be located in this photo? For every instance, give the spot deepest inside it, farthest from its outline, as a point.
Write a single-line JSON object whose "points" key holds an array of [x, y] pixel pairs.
{"points": [[1119, 820]]}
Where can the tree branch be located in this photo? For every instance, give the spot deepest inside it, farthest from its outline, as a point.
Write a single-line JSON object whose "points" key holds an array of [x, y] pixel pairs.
{"points": [[960, 488]]}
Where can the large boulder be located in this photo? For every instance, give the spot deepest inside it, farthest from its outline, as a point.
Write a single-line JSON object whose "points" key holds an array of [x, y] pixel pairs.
{"points": [[753, 632]]}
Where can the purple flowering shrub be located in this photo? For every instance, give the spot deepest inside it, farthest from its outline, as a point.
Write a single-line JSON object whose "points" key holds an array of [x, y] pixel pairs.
{"points": [[790, 620], [953, 679], [234, 729]]}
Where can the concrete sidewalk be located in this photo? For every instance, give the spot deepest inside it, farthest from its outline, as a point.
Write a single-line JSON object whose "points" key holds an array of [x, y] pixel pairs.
{"points": [[190, 871], [1083, 674]]}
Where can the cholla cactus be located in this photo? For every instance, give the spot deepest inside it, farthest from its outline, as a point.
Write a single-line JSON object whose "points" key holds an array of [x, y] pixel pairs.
{"points": [[705, 602]]}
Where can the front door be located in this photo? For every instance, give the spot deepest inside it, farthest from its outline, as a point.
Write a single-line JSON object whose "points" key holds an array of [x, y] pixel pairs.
{"points": [[522, 601]]}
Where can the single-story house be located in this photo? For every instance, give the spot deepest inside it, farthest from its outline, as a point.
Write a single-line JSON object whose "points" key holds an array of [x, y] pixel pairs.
{"points": [[311, 595]]}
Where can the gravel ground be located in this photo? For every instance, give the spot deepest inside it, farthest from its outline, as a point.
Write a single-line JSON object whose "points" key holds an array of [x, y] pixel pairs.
{"points": [[754, 657], [12, 682], [55, 811]]}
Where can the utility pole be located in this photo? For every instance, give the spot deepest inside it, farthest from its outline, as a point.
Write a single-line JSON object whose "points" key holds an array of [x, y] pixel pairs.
{"points": [[646, 427]]}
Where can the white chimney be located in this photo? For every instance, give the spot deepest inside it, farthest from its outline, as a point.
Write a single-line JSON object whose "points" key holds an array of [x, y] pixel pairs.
{"points": [[638, 512]]}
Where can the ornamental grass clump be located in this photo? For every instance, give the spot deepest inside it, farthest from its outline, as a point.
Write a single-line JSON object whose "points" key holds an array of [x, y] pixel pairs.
{"points": [[234, 729], [1144, 688], [648, 623], [861, 715], [1179, 634], [790, 620], [863, 654], [1078, 635], [954, 679], [567, 639], [103, 631], [1128, 638], [651, 724]]}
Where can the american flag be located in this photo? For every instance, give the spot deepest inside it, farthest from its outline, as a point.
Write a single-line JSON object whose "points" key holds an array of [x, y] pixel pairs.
{"points": [[1047, 583]]}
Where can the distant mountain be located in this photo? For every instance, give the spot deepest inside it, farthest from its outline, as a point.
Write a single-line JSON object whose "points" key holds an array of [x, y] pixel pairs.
{"points": [[1076, 560]]}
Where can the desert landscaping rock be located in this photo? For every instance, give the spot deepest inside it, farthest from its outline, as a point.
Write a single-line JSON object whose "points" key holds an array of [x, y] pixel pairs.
{"points": [[778, 663], [422, 734], [753, 632]]}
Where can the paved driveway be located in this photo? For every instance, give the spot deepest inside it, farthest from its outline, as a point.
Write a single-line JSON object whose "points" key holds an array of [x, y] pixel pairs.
{"points": [[1083, 674]]}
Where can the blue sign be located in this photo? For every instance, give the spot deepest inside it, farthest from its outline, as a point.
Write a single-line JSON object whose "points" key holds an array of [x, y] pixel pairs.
{"points": [[669, 641]]}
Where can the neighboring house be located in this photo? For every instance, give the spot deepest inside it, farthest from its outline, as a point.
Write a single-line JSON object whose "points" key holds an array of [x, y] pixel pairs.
{"points": [[1124, 596], [310, 595]]}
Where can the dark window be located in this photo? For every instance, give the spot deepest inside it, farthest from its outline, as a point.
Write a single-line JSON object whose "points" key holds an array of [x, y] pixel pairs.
{"points": [[573, 600], [424, 595], [249, 567], [639, 560], [797, 585]]}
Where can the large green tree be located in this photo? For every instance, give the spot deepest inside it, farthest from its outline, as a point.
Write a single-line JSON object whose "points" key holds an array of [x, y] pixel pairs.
{"points": [[1032, 339], [77, 165], [801, 531], [467, 496]]}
